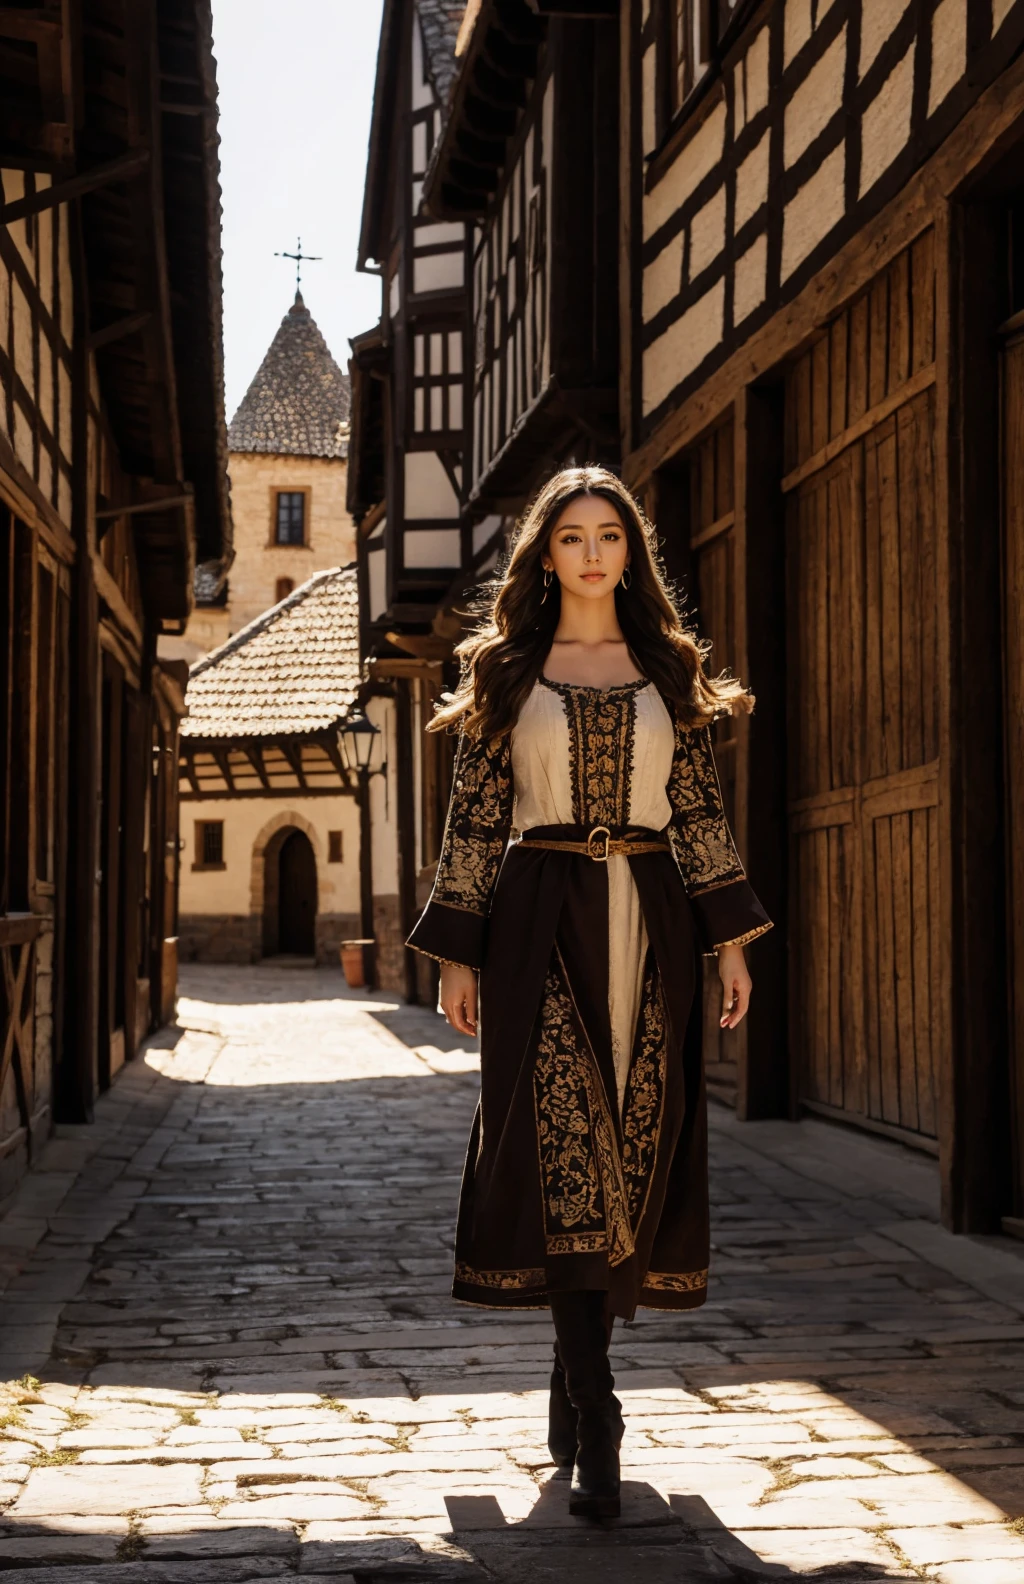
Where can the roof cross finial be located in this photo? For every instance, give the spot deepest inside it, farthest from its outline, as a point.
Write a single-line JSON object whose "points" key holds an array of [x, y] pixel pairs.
{"points": [[300, 259]]}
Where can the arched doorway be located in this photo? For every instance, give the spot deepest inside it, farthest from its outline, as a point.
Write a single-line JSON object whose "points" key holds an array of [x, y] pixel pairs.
{"points": [[289, 895]]}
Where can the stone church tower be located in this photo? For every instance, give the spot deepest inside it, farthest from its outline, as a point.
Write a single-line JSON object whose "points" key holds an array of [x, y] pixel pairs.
{"points": [[288, 466]]}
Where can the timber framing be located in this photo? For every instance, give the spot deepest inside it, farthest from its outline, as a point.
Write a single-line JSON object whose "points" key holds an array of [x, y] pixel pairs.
{"points": [[764, 233], [110, 391], [267, 767], [835, 472], [978, 140]]}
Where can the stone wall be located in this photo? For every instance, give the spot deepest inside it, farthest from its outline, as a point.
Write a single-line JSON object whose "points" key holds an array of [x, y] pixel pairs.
{"points": [[238, 937], [331, 930], [259, 562], [390, 944], [220, 937]]}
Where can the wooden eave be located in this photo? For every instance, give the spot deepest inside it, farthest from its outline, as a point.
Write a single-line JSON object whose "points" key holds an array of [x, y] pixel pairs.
{"points": [[276, 764], [373, 243], [152, 248], [369, 366], [489, 96], [546, 427], [117, 104]]}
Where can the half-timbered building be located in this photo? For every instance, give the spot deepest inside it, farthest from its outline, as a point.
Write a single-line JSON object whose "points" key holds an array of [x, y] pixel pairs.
{"points": [[409, 428], [821, 403], [529, 155], [497, 350], [112, 488]]}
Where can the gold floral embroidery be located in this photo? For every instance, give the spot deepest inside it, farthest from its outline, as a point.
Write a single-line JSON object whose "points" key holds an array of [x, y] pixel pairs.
{"points": [[602, 725], [502, 1280], [584, 1192], [699, 831], [645, 1097], [477, 830], [676, 1281]]}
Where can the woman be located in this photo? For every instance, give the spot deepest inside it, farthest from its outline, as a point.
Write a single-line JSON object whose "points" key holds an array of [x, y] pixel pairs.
{"points": [[584, 713]]}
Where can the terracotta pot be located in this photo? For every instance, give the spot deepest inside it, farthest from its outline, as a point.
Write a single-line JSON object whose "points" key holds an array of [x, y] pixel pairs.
{"points": [[354, 962]]}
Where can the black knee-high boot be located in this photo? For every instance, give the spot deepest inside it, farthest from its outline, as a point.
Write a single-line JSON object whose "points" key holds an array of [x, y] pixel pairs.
{"points": [[562, 1417], [581, 1326]]}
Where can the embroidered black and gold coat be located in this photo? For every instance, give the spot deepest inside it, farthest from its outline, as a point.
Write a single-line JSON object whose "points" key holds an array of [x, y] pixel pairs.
{"points": [[587, 1164]]}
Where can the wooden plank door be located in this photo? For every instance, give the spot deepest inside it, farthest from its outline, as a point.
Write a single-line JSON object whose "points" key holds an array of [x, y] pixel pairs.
{"points": [[1013, 511], [710, 523], [112, 934], [868, 1015]]}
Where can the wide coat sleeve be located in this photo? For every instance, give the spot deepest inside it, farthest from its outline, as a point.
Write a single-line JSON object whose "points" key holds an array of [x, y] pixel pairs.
{"points": [[453, 923], [727, 910]]}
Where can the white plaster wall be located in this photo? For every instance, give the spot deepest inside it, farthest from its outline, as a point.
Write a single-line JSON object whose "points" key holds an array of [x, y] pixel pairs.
{"points": [[229, 890], [886, 124]]}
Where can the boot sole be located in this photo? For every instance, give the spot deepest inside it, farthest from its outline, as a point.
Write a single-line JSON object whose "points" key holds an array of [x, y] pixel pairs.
{"points": [[595, 1506]]}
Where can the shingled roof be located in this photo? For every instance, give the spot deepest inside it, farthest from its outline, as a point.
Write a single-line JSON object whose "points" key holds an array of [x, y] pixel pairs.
{"points": [[440, 25], [298, 403], [291, 672]]}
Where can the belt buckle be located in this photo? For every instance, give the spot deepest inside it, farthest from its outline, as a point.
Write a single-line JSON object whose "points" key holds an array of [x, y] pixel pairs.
{"points": [[599, 830]]}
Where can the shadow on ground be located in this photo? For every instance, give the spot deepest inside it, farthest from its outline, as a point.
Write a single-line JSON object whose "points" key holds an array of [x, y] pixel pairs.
{"points": [[254, 1232]]}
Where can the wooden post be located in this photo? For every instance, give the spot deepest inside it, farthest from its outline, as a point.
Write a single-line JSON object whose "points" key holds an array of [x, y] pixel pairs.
{"points": [[405, 810], [366, 876], [77, 1068], [975, 1142], [763, 1078]]}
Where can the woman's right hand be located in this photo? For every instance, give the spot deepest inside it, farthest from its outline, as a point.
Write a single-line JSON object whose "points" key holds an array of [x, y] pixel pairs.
{"points": [[458, 996]]}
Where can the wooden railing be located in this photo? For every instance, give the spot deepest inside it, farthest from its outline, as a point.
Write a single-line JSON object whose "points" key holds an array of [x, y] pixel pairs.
{"points": [[18, 935]]}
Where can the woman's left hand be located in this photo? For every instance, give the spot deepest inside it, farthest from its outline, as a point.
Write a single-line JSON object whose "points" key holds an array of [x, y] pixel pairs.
{"points": [[736, 985]]}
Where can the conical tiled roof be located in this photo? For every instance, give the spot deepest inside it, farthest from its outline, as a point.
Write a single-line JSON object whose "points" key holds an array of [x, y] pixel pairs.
{"points": [[298, 403]]}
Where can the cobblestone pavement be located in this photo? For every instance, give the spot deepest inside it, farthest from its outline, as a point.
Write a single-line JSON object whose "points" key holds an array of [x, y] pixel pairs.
{"points": [[225, 1305]]}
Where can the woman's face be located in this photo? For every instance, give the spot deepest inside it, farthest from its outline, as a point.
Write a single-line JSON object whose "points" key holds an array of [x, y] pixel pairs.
{"points": [[588, 550]]}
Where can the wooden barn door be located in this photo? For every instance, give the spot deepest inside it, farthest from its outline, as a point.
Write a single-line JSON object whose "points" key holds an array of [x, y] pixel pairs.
{"points": [[867, 1010], [695, 511]]}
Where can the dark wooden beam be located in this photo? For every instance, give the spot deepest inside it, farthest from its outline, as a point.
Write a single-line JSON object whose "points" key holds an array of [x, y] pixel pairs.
{"points": [[139, 507], [254, 754], [62, 192], [116, 331], [33, 26], [188, 765], [146, 206], [294, 758], [333, 753], [223, 763]]}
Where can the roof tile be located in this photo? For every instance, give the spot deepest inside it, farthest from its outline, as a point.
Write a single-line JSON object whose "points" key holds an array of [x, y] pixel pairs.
{"points": [[293, 671], [298, 403]]}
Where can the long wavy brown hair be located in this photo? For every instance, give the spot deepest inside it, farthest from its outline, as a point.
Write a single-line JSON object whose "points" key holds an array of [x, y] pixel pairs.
{"points": [[503, 658]]}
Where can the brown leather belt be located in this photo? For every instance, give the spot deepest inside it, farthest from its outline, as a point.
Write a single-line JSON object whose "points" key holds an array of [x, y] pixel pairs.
{"points": [[607, 845]]}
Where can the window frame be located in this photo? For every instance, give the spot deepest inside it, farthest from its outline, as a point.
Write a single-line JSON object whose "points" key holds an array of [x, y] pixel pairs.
{"points": [[305, 490], [200, 861], [720, 22], [335, 846], [425, 379]]}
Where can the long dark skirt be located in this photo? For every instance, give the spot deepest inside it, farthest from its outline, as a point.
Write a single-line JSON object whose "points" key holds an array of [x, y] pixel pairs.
{"points": [[560, 1191]]}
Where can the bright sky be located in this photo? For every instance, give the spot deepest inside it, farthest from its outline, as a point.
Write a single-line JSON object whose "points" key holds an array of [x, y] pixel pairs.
{"points": [[296, 87]]}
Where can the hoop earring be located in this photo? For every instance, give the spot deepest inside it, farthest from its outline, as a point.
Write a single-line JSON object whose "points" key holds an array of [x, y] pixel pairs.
{"points": [[626, 578], [548, 575]]}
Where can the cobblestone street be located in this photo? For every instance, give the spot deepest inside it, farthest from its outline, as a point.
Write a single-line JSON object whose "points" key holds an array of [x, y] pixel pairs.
{"points": [[225, 1306]]}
